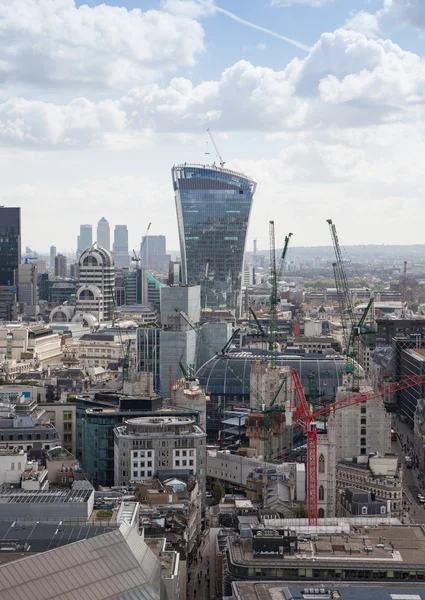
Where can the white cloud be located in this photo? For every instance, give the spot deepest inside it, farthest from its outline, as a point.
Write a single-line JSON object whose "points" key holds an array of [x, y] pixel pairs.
{"points": [[347, 80], [189, 8], [403, 12], [52, 43], [364, 22], [314, 3]]}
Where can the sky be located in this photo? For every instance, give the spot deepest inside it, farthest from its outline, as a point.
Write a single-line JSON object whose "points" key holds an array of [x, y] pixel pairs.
{"points": [[321, 101]]}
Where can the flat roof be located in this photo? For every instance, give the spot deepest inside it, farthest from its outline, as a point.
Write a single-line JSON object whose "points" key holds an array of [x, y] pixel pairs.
{"points": [[41, 537], [9, 496], [250, 590], [394, 546]]}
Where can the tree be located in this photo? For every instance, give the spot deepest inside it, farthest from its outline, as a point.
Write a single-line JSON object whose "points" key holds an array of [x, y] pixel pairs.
{"points": [[217, 491], [413, 306], [300, 512]]}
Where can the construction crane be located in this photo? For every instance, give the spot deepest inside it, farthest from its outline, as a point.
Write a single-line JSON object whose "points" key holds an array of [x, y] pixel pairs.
{"points": [[138, 258], [307, 419], [404, 295], [274, 297], [354, 331], [222, 163], [267, 410]]}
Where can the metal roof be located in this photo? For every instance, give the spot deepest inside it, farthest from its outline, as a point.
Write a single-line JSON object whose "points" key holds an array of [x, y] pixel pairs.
{"points": [[117, 564]]}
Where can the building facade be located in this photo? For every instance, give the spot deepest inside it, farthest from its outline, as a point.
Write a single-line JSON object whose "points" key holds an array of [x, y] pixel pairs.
{"points": [[85, 239], [213, 208], [161, 446], [10, 259], [103, 236], [96, 283], [60, 265], [412, 362], [120, 247]]}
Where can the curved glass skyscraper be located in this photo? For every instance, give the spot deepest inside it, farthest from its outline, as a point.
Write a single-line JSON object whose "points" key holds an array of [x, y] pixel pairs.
{"points": [[213, 207]]}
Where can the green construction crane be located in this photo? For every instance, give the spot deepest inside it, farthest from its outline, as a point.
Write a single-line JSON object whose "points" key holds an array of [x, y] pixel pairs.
{"points": [[274, 297], [268, 419]]}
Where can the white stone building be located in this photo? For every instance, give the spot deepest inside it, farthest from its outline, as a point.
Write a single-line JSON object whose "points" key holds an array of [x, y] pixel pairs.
{"points": [[96, 283]]}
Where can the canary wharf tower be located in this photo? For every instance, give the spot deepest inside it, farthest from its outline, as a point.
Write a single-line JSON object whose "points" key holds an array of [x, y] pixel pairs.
{"points": [[213, 205]]}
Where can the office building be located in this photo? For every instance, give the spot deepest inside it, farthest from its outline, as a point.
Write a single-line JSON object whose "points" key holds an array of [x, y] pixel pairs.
{"points": [[60, 266], [162, 446], [120, 248], [147, 353], [103, 236], [96, 283], [177, 338], [28, 288], [10, 245], [387, 329], [412, 362], [10, 259], [153, 253], [85, 239], [52, 256], [213, 208], [275, 553]]}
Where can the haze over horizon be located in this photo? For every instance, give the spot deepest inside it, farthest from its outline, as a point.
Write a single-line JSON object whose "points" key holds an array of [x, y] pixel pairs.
{"points": [[321, 101]]}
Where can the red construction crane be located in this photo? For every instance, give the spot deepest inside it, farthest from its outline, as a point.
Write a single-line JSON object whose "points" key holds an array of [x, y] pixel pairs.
{"points": [[306, 418]]}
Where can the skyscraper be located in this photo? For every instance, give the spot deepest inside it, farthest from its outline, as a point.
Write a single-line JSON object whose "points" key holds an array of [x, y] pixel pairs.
{"points": [[85, 239], [96, 283], [10, 259], [52, 256], [60, 265], [213, 207], [120, 249], [28, 287], [153, 252], [103, 234], [10, 245]]}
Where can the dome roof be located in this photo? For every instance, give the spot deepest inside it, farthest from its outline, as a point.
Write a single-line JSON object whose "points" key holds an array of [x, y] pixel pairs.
{"points": [[87, 319], [62, 314], [96, 253], [217, 375]]}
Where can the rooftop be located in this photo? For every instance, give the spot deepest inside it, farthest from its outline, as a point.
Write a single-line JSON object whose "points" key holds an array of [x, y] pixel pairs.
{"points": [[386, 544], [9, 495], [244, 590]]}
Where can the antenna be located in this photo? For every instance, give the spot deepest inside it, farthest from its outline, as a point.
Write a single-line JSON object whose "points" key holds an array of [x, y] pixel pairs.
{"points": [[222, 163]]}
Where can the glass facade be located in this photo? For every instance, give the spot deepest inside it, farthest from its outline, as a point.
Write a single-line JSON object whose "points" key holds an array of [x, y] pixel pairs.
{"points": [[213, 207], [10, 245]]}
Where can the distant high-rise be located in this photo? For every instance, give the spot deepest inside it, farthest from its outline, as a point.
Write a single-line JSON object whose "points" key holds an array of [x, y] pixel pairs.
{"points": [[10, 259], [52, 256], [153, 252], [28, 287], [120, 249], [213, 208], [104, 234], [85, 239], [10, 245], [60, 265]]}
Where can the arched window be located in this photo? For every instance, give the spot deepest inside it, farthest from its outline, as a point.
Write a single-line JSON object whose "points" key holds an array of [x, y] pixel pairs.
{"points": [[90, 261], [321, 464], [321, 513], [321, 493], [86, 295]]}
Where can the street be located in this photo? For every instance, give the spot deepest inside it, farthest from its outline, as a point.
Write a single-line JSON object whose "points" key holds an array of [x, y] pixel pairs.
{"points": [[412, 487], [202, 572]]}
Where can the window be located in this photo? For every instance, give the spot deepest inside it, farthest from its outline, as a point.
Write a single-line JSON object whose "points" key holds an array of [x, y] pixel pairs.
{"points": [[12, 466], [149, 473], [321, 514], [321, 464], [364, 510], [363, 441], [321, 493], [135, 473], [63, 479], [177, 463]]}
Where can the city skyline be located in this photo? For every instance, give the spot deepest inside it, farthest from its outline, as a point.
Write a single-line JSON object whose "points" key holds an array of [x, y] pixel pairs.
{"points": [[331, 125]]}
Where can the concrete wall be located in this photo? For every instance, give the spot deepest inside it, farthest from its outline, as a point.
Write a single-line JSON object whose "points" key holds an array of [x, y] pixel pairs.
{"points": [[46, 511], [236, 469], [11, 467], [370, 417]]}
